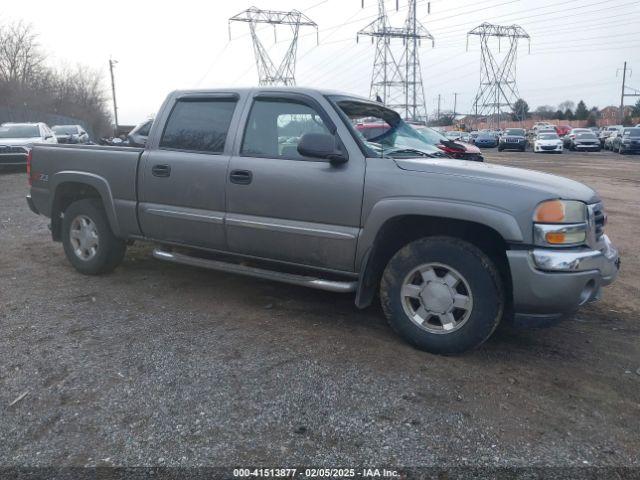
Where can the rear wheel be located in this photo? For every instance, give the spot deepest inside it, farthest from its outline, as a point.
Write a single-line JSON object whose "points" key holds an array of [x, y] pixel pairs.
{"points": [[442, 294], [88, 241]]}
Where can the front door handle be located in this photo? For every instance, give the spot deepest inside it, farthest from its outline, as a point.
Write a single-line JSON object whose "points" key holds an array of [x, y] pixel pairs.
{"points": [[161, 170], [241, 177]]}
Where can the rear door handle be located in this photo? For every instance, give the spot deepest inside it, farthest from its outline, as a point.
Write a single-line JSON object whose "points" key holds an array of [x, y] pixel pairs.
{"points": [[241, 177], [161, 170]]}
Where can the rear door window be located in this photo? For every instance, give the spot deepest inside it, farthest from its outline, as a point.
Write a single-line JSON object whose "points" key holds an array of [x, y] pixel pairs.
{"points": [[199, 125]]}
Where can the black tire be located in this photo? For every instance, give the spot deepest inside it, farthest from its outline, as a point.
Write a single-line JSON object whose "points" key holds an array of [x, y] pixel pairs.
{"points": [[523, 149], [477, 270], [109, 250], [500, 149]]}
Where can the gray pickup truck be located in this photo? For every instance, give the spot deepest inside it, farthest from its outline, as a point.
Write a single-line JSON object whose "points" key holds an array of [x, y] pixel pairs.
{"points": [[281, 184]]}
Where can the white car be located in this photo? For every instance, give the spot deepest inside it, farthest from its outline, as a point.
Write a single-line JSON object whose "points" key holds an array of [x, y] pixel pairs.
{"points": [[16, 140], [547, 142]]}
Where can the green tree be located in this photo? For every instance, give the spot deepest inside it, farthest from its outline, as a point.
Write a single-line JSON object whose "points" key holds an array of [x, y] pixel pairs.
{"points": [[635, 111], [520, 110], [581, 111], [568, 114], [560, 115], [592, 119]]}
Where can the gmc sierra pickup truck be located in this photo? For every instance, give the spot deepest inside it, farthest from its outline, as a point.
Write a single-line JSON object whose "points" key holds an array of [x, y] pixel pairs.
{"points": [[280, 184]]}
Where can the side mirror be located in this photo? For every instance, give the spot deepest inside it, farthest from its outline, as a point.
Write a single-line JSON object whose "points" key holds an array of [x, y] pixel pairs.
{"points": [[321, 145], [47, 137]]}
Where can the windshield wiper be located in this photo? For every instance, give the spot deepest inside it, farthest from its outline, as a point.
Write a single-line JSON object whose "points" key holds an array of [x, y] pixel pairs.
{"points": [[411, 151]]}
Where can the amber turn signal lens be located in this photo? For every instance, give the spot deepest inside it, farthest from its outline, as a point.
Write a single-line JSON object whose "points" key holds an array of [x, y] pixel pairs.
{"points": [[555, 238], [550, 212]]}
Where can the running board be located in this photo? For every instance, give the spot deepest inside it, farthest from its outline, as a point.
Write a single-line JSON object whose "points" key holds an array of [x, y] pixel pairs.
{"points": [[293, 279]]}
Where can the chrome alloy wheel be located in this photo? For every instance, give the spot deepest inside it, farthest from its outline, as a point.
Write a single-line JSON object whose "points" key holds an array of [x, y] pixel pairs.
{"points": [[84, 237], [437, 298]]}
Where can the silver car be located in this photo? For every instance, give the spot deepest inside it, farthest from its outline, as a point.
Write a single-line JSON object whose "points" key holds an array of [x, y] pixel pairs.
{"points": [[16, 140]]}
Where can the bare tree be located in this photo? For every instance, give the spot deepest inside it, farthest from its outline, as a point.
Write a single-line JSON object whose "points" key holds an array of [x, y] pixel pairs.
{"points": [[30, 85], [20, 56]]}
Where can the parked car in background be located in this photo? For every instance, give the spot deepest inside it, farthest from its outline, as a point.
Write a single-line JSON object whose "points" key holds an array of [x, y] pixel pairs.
{"points": [[486, 140], [16, 140], [140, 134], [472, 136], [627, 141], [585, 141], [513, 139], [70, 134], [562, 130], [458, 150], [451, 248], [547, 129], [547, 142], [608, 142], [567, 139], [453, 135], [606, 132]]}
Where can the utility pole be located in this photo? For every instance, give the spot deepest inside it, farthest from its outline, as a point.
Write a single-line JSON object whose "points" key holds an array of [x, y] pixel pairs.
{"points": [[438, 114], [624, 79], [455, 103], [113, 93]]}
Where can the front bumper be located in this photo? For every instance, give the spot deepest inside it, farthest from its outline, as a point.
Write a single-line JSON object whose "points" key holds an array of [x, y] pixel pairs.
{"points": [[547, 148], [506, 145], [630, 147], [551, 283]]}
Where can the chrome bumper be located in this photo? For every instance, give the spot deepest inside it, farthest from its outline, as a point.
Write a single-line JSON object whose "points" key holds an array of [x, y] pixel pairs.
{"points": [[550, 283], [606, 260]]}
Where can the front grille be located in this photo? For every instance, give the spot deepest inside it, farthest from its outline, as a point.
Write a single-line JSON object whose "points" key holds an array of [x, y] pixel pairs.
{"points": [[599, 219], [13, 159], [548, 147], [8, 149]]}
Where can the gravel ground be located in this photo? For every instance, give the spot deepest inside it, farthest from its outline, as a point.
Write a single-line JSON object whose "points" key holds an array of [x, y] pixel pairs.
{"points": [[166, 365]]}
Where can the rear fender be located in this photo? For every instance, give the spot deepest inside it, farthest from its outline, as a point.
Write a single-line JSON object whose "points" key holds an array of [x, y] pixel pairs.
{"points": [[99, 183]]}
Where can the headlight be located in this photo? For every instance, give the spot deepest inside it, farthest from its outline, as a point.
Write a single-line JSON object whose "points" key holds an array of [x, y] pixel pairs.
{"points": [[560, 223]]}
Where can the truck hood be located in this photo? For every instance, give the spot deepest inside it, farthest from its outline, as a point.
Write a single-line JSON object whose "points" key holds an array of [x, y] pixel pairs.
{"points": [[551, 185], [15, 142]]}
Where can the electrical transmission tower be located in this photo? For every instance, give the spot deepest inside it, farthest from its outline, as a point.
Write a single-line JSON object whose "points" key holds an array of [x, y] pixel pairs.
{"points": [[498, 90], [268, 72], [397, 78]]}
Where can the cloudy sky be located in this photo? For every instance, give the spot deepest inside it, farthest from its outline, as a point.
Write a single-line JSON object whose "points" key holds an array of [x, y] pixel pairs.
{"points": [[577, 46]]}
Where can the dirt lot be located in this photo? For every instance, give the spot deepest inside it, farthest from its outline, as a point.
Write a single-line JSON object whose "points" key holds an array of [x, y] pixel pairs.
{"points": [[160, 364]]}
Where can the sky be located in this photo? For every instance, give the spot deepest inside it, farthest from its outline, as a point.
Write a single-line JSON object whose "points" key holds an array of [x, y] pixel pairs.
{"points": [[578, 47]]}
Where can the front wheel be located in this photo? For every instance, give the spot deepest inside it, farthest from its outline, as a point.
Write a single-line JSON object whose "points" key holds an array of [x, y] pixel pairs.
{"points": [[442, 294], [88, 241]]}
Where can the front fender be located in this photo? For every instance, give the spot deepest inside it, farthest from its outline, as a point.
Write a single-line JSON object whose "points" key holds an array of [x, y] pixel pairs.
{"points": [[99, 183], [499, 220]]}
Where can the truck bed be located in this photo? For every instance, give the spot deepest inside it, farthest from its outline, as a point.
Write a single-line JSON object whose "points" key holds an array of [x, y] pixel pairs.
{"points": [[112, 171]]}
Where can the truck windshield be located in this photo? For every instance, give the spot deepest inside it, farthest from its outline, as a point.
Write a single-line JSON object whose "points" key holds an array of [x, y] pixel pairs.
{"points": [[382, 132], [19, 131]]}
